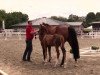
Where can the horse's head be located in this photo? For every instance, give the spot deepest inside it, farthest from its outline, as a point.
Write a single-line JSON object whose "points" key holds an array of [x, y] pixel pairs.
{"points": [[47, 27], [42, 31]]}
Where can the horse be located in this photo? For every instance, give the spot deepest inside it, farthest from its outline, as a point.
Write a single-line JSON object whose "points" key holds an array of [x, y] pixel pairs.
{"points": [[41, 34], [57, 41], [48, 40], [67, 32]]}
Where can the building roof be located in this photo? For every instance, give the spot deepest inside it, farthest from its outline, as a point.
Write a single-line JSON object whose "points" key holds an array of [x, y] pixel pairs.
{"points": [[49, 21], [74, 23], [46, 20], [98, 22], [41, 20]]}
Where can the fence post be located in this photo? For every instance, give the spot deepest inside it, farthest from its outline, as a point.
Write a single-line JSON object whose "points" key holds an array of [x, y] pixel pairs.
{"points": [[19, 35]]}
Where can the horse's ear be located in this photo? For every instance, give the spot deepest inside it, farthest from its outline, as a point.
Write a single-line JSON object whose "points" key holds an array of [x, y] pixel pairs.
{"points": [[45, 24], [42, 26]]}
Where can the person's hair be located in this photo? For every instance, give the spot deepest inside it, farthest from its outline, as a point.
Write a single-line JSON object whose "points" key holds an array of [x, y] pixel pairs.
{"points": [[29, 21]]}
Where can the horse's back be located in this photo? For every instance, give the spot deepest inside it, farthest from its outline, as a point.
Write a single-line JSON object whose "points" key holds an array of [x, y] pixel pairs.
{"points": [[53, 40], [62, 30], [58, 39], [48, 39]]}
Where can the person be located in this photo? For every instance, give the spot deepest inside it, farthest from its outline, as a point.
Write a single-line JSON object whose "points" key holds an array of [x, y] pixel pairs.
{"points": [[30, 31]]}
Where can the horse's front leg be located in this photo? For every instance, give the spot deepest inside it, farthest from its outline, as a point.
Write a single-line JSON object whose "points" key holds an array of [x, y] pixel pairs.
{"points": [[63, 63], [43, 52], [49, 52], [45, 55], [57, 51]]}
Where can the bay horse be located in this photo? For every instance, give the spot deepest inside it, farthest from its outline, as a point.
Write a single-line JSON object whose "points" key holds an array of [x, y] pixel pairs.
{"points": [[57, 41], [48, 40], [69, 35]]}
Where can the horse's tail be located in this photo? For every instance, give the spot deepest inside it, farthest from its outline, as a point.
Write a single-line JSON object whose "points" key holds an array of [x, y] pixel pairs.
{"points": [[72, 39]]}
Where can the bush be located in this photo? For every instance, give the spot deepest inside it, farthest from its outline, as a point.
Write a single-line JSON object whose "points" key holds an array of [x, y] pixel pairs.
{"points": [[94, 48], [87, 30]]}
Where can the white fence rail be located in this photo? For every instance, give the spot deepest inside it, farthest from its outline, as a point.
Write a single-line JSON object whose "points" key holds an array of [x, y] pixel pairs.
{"points": [[7, 33], [93, 34]]}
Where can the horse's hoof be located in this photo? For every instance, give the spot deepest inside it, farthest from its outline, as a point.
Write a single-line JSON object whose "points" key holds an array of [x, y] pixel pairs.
{"points": [[49, 61], [75, 60], [61, 65], [76, 65], [55, 66], [64, 67], [44, 63], [65, 64]]}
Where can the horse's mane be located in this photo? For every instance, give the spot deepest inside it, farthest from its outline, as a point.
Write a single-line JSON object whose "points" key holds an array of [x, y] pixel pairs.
{"points": [[45, 24]]}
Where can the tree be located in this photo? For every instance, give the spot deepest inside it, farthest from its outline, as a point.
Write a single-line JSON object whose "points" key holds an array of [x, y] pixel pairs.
{"points": [[89, 18], [85, 25], [63, 19], [97, 16], [2, 17], [73, 18], [60, 18], [12, 18], [54, 17]]}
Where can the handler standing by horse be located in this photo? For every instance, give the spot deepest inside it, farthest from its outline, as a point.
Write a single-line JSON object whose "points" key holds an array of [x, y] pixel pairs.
{"points": [[30, 31]]}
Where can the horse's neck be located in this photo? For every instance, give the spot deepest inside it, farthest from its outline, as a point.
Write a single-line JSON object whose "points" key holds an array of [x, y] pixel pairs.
{"points": [[51, 29], [41, 37]]}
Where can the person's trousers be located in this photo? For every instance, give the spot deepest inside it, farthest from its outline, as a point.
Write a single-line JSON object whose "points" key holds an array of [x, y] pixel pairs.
{"points": [[28, 50]]}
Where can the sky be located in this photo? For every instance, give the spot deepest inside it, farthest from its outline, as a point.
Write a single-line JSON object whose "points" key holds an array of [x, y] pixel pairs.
{"points": [[46, 8]]}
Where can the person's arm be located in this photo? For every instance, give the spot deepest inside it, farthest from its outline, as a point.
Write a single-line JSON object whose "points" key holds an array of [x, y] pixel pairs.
{"points": [[33, 31]]}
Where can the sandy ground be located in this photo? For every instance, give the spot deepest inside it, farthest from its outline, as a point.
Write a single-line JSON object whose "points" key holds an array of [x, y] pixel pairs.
{"points": [[11, 52]]}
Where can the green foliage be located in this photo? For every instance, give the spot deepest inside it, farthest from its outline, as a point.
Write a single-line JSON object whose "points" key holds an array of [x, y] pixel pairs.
{"points": [[87, 30], [89, 18], [12, 18], [72, 18], [2, 16], [94, 47], [84, 24], [59, 18], [97, 16]]}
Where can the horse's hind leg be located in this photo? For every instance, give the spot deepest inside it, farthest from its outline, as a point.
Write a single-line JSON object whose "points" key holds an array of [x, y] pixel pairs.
{"points": [[57, 50], [49, 51], [64, 57]]}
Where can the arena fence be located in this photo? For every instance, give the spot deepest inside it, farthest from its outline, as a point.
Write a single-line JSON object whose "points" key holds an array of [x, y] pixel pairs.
{"points": [[8, 33], [93, 34]]}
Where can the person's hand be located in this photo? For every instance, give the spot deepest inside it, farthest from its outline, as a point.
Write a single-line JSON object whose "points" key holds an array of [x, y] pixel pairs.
{"points": [[32, 32]]}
